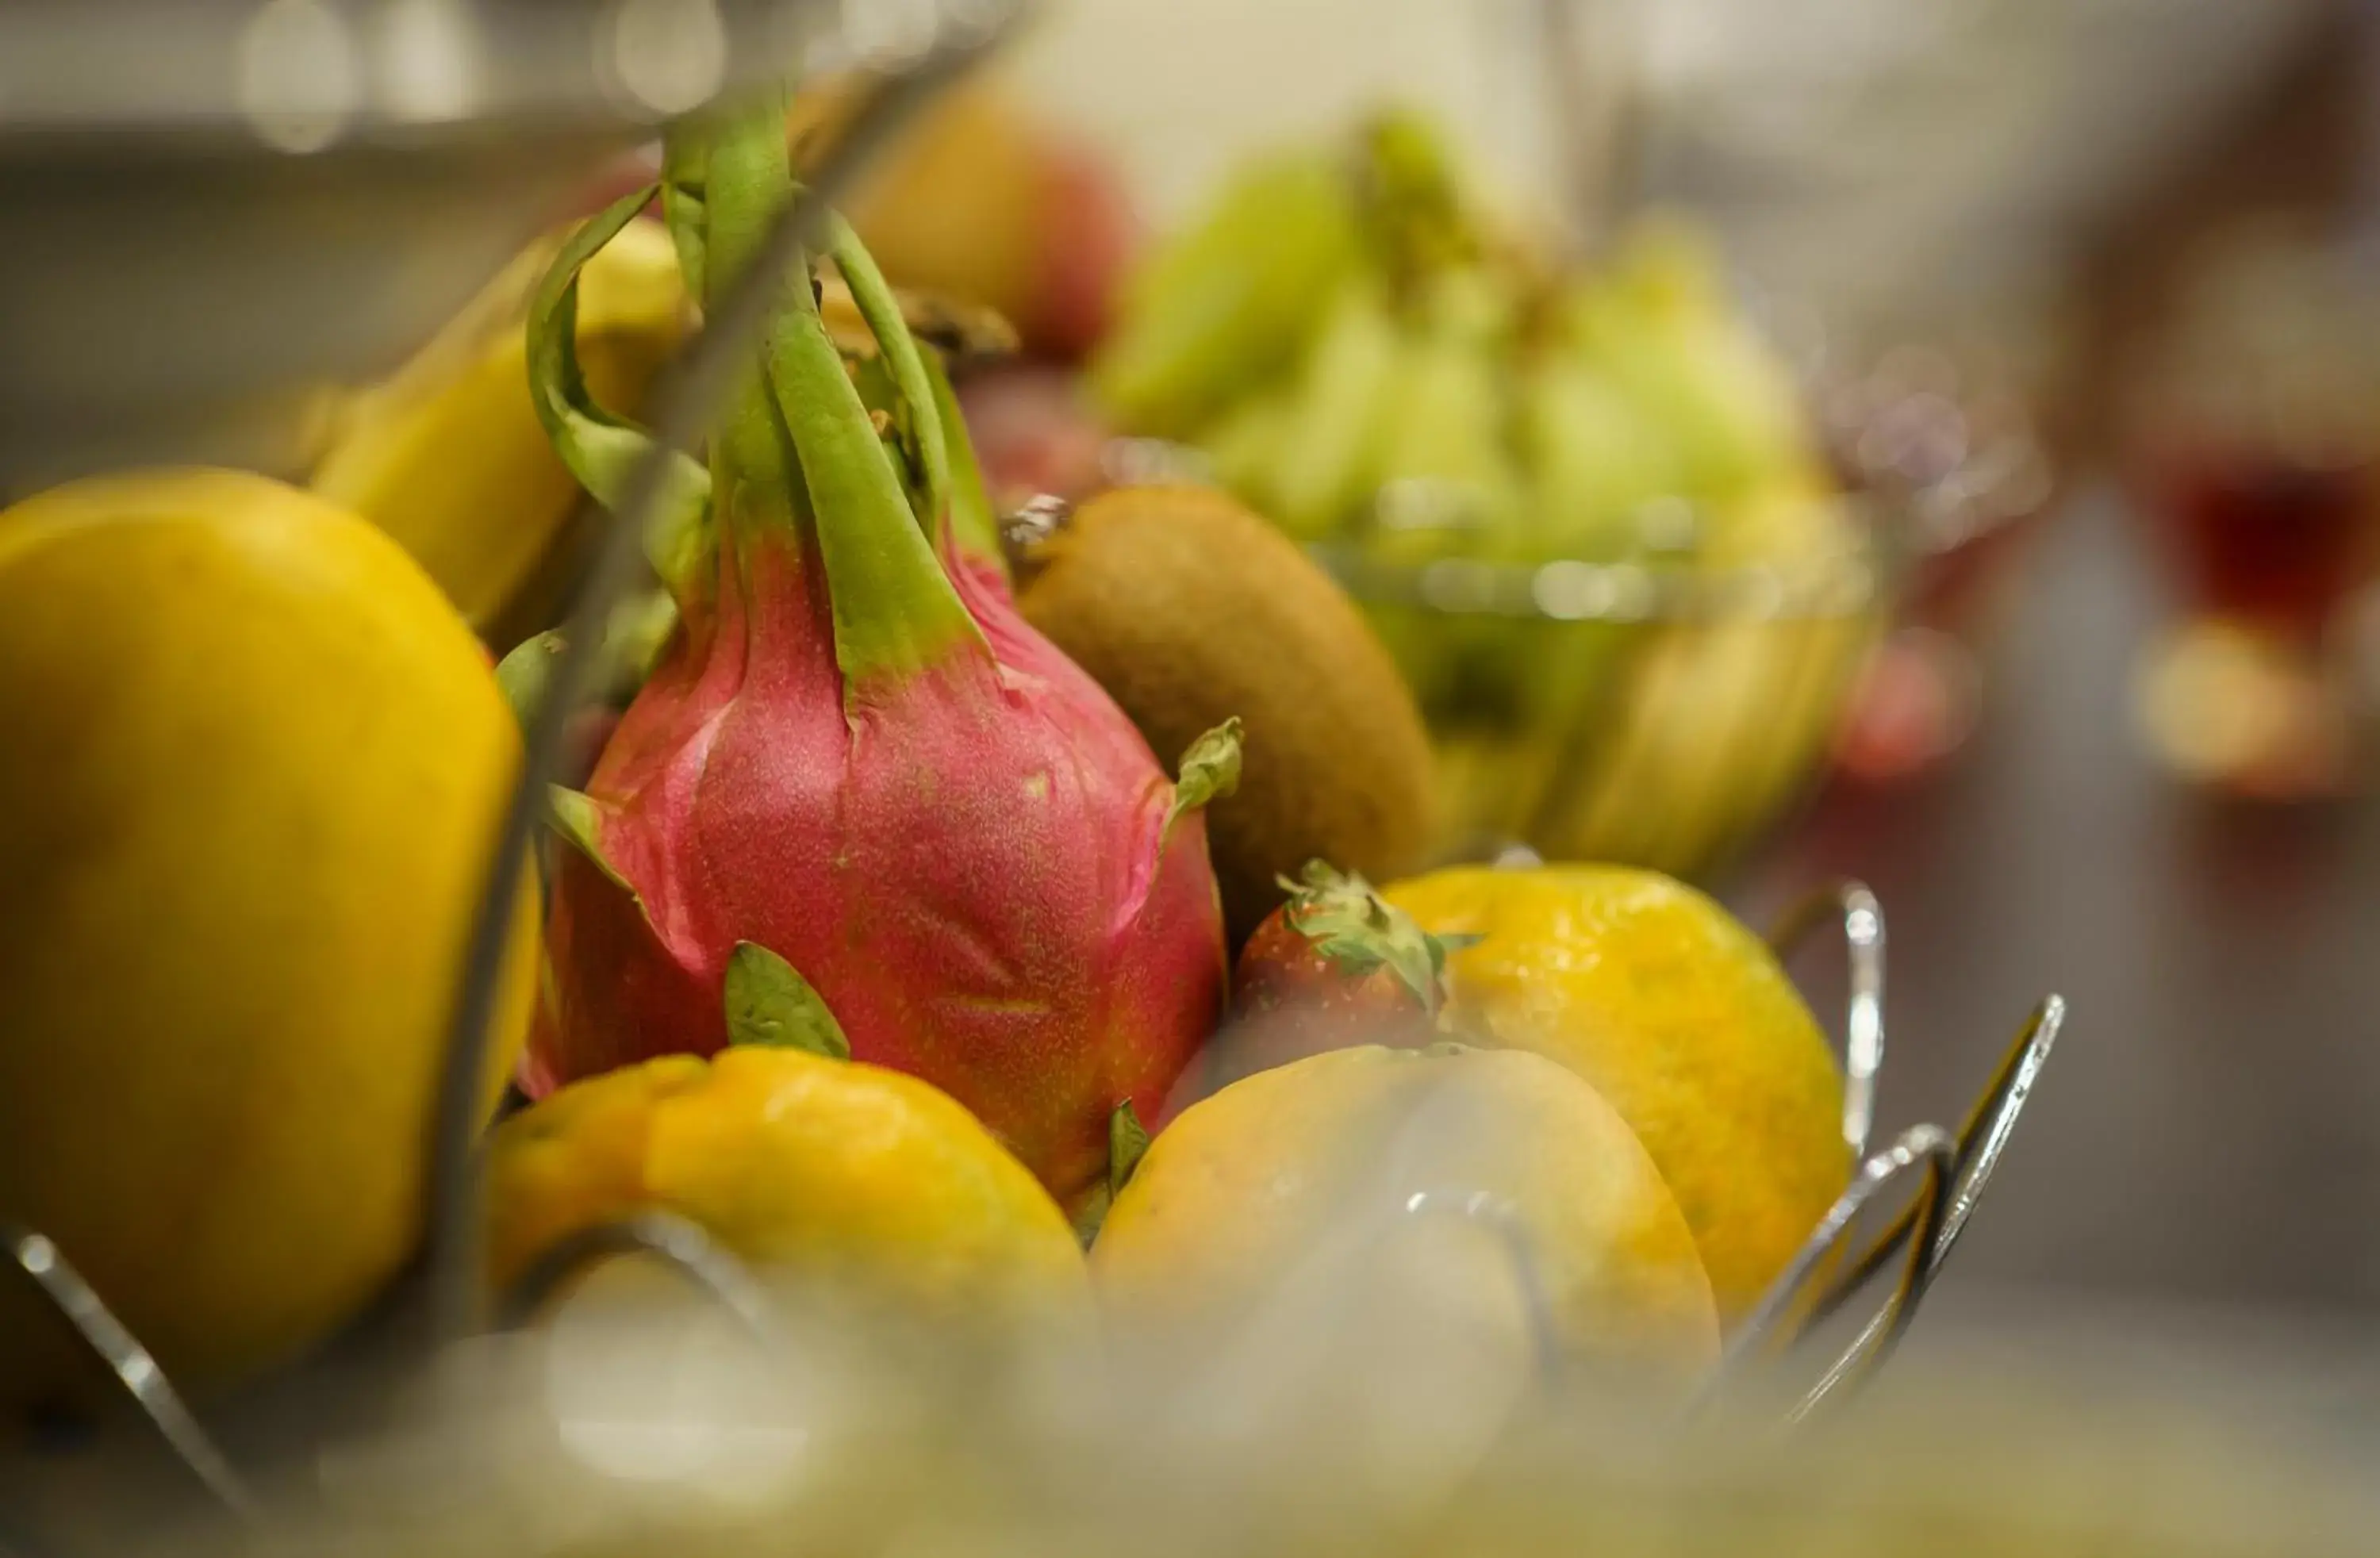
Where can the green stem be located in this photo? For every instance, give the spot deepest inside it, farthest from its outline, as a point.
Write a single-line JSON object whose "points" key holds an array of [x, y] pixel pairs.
{"points": [[800, 429], [974, 527], [685, 178], [895, 611], [922, 429], [747, 178], [602, 448]]}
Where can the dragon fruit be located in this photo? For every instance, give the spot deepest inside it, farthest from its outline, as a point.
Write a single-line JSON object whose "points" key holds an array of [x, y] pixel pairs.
{"points": [[858, 792]]}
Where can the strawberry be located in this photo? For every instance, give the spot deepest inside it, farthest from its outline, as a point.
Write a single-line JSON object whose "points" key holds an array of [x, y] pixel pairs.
{"points": [[1336, 965]]}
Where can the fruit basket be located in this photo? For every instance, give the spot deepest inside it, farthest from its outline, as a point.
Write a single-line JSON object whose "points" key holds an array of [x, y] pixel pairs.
{"points": [[1831, 1320], [428, 1348]]}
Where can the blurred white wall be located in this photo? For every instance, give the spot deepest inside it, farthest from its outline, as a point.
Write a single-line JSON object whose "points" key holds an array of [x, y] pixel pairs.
{"points": [[1873, 157], [1176, 89]]}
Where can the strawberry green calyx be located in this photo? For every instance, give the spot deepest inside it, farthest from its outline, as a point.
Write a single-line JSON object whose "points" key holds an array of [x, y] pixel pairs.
{"points": [[1359, 931], [1210, 770]]}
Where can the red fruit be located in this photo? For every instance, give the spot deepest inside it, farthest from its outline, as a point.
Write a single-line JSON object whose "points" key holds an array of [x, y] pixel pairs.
{"points": [[1036, 433], [863, 760], [1335, 965], [1091, 236]]}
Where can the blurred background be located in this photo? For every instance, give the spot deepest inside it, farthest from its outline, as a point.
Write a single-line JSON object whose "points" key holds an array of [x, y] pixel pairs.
{"points": [[2134, 770], [2124, 751]]}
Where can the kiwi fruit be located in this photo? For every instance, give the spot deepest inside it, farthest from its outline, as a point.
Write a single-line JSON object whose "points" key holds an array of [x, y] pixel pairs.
{"points": [[1190, 608]]}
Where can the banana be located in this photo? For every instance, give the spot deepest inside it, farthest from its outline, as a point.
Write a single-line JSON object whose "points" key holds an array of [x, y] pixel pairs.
{"points": [[447, 455], [1326, 447], [1233, 298], [1417, 214]]}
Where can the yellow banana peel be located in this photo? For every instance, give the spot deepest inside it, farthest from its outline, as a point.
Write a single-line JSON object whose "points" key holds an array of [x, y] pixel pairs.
{"points": [[447, 455]]}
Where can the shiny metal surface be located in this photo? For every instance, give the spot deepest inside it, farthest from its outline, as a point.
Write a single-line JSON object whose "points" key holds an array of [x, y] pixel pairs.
{"points": [[1953, 1171], [143, 1381], [659, 1237], [1851, 905]]}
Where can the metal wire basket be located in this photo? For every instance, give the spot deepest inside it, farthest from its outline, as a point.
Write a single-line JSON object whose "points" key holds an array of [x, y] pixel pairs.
{"points": [[1892, 1231]]}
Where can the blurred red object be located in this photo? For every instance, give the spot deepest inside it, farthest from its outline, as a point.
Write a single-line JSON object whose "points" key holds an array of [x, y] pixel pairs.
{"points": [[1950, 456], [2261, 537], [2253, 454], [1916, 704], [1034, 434]]}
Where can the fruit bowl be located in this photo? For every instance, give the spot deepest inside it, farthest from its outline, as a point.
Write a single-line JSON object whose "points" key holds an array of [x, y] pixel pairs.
{"points": [[1664, 709], [1658, 709], [1655, 713]]}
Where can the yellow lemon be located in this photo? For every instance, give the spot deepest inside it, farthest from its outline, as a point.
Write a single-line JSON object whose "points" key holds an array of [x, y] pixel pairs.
{"points": [[252, 772], [1235, 1190], [831, 1169], [1681, 1018]]}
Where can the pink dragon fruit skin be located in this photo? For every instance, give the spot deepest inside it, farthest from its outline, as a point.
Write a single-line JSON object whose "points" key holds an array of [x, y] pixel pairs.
{"points": [[971, 856]]}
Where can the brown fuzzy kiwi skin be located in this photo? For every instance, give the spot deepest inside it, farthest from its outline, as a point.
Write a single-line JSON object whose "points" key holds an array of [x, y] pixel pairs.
{"points": [[1189, 609]]}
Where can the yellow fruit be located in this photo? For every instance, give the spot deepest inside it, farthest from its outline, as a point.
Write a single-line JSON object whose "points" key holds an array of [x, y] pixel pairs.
{"points": [[1232, 1192], [252, 769], [951, 207], [831, 1169], [448, 455], [1681, 1017]]}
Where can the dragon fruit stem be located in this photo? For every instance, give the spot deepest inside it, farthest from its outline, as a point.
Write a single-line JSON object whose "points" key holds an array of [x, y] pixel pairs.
{"points": [[922, 429], [746, 178], [973, 527], [796, 450]]}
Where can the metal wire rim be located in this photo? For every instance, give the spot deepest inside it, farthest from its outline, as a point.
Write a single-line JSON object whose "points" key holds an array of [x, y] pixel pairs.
{"points": [[113, 1344], [660, 1237], [1501, 1217], [1860, 916], [1926, 1149], [1983, 1138]]}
